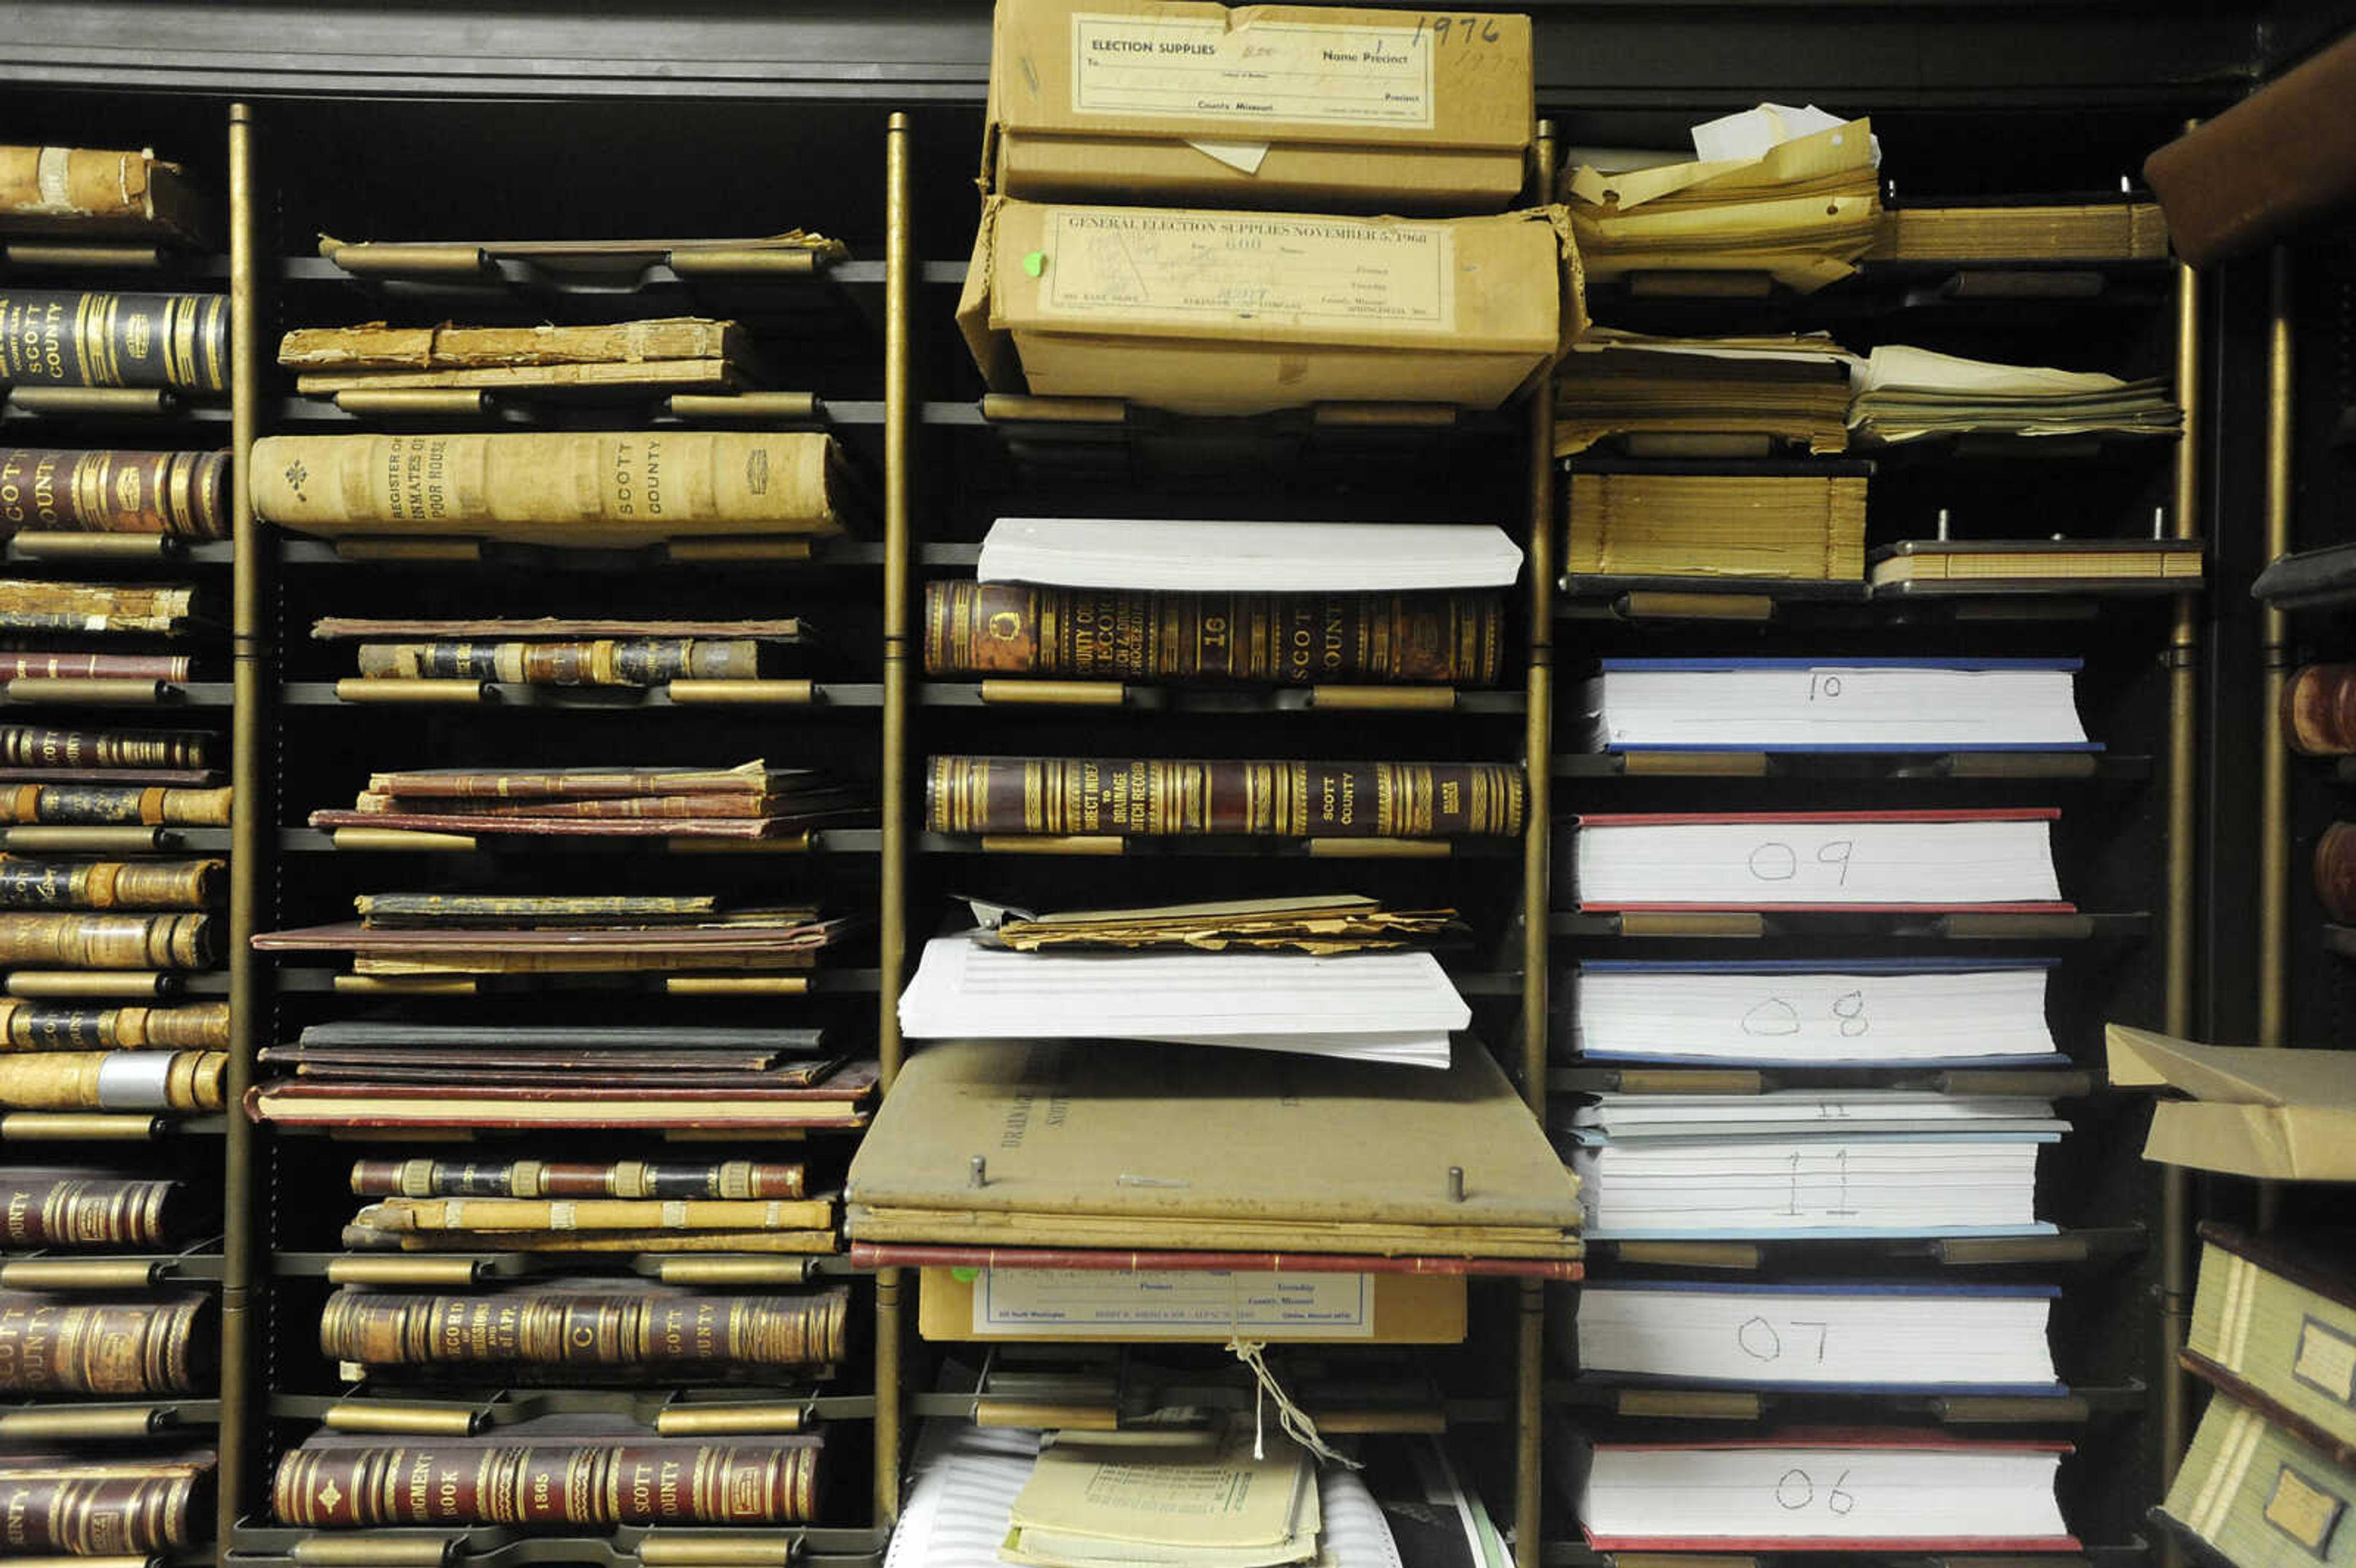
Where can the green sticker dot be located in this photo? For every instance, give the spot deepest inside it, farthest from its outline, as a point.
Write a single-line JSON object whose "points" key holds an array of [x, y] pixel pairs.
{"points": [[1036, 263], [959, 1273]]}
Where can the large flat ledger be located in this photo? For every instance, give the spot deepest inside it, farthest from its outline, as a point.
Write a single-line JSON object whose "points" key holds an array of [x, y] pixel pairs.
{"points": [[1090, 1144]]}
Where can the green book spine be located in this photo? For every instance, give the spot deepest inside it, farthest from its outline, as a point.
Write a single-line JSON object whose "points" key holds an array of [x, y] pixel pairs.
{"points": [[2260, 1498]]}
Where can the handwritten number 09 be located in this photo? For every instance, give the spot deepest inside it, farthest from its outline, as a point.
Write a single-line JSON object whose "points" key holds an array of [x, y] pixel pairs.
{"points": [[1778, 862], [1794, 1491]]}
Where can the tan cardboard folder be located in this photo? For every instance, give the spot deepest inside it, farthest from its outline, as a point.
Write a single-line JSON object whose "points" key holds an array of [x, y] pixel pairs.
{"points": [[1319, 107], [1241, 313], [2284, 1115], [1406, 1309]]}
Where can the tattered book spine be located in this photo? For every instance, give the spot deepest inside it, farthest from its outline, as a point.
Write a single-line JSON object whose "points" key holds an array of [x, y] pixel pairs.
{"points": [[107, 941], [106, 491], [2335, 871], [738, 1178], [574, 1329], [98, 1515], [108, 884], [125, 805], [21, 665], [591, 1214], [1296, 639], [592, 1488], [39, 1025], [66, 1344], [48, 1209], [185, 1081], [61, 337], [1153, 796], [2318, 710], [37, 746], [29, 605], [604, 661]]}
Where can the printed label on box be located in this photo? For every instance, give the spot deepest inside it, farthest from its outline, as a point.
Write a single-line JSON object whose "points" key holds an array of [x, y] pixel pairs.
{"points": [[1182, 267], [1270, 72], [1150, 1304]]}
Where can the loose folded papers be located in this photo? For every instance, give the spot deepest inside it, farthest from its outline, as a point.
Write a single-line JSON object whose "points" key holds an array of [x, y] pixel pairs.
{"points": [[2281, 1115], [1789, 388], [1080, 1143], [1323, 926], [1906, 394], [1225, 1501]]}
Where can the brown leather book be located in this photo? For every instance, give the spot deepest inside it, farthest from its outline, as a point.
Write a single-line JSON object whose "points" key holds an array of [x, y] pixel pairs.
{"points": [[77, 1210], [2318, 710], [22, 663], [2335, 871], [40, 745], [72, 1344], [181, 494], [2281, 158], [94, 193], [573, 1178], [69, 1505], [587, 1324], [1158, 795]]}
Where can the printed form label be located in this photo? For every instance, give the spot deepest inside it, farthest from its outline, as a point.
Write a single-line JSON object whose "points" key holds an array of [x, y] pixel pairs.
{"points": [[1270, 72], [1158, 1304]]}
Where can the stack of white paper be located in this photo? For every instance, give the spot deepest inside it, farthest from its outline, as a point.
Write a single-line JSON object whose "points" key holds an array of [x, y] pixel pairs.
{"points": [[1800, 1163], [1396, 1007], [1248, 558], [1810, 1013], [1925, 859], [1986, 1338], [1806, 705]]}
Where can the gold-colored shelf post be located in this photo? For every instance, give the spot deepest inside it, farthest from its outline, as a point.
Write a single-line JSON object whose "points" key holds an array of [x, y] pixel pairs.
{"points": [[2182, 905], [892, 904], [249, 655], [1537, 747], [2274, 637]]}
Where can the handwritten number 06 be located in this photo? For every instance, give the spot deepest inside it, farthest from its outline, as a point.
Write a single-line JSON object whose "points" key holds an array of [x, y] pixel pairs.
{"points": [[1794, 1491]]}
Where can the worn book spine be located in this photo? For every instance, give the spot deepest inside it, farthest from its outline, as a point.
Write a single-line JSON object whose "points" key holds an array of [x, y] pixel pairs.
{"points": [[598, 1214], [604, 661], [611, 808], [571, 1327], [1298, 639], [40, 605], [112, 1081], [553, 828], [2335, 871], [62, 337], [76, 185], [2318, 710], [38, 746], [42, 1025], [736, 1179], [618, 909], [108, 884], [182, 494], [69, 1344], [361, 1238], [1137, 795], [375, 346], [127, 804], [69, 1514], [16, 664], [593, 1486], [49, 1209], [576, 783], [650, 482], [106, 941], [1717, 526]]}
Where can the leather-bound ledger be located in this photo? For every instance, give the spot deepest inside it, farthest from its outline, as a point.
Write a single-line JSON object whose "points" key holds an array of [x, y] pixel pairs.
{"points": [[107, 884], [106, 941], [184, 1080], [552, 1473], [38, 605], [46, 1026], [1295, 639], [2318, 710], [604, 661], [17, 664], [66, 1505], [126, 805], [587, 1324], [574, 1179], [40, 746], [73, 1344], [2335, 871], [181, 494], [43, 1206], [63, 337], [94, 193], [554, 488], [1168, 796]]}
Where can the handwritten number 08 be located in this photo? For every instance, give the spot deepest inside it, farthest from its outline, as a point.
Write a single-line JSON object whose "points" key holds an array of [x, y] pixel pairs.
{"points": [[1794, 1491]]}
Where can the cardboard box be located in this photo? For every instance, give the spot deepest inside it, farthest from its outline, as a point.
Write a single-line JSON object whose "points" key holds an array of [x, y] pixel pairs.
{"points": [[2279, 1115], [1301, 106], [1241, 313], [1090, 1307]]}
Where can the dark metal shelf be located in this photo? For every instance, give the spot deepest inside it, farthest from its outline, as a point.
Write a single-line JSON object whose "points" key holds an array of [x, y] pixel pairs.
{"points": [[823, 841], [1949, 925], [485, 1546], [161, 695], [506, 698], [460, 1270], [1749, 1255], [1064, 697], [1219, 847], [304, 979], [1853, 606], [1956, 767], [825, 554], [1672, 1078], [507, 1407], [1724, 1407]]}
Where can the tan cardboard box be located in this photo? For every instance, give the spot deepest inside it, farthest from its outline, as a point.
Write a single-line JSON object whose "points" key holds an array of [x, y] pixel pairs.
{"points": [[1240, 313], [1302, 106], [1357, 1308]]}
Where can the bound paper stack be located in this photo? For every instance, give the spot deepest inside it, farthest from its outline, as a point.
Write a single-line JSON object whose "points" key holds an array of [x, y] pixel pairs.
{"points": [[1906, 394], [455, 935], [1789, 389], [1855, 1162], [1823, 860], [1825, 704], [550, 651], [682, 354], [1169, 1146], [1182, 556], [2022, 231], [1789, 192], [751, 800], [1804, 526]]}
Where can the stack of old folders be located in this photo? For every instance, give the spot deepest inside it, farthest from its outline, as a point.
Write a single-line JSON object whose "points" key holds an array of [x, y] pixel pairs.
{"points": [[446, 935], [684, 354], [2274, 1321], [552, 652], [373, 1073], [1666, 393], [984, 1496], [1321, 976], [1905, 393], [1184, 1152], [1811, 1162], [751, 800], [1791, 193], [2281, 1115], [2093, 229]]}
